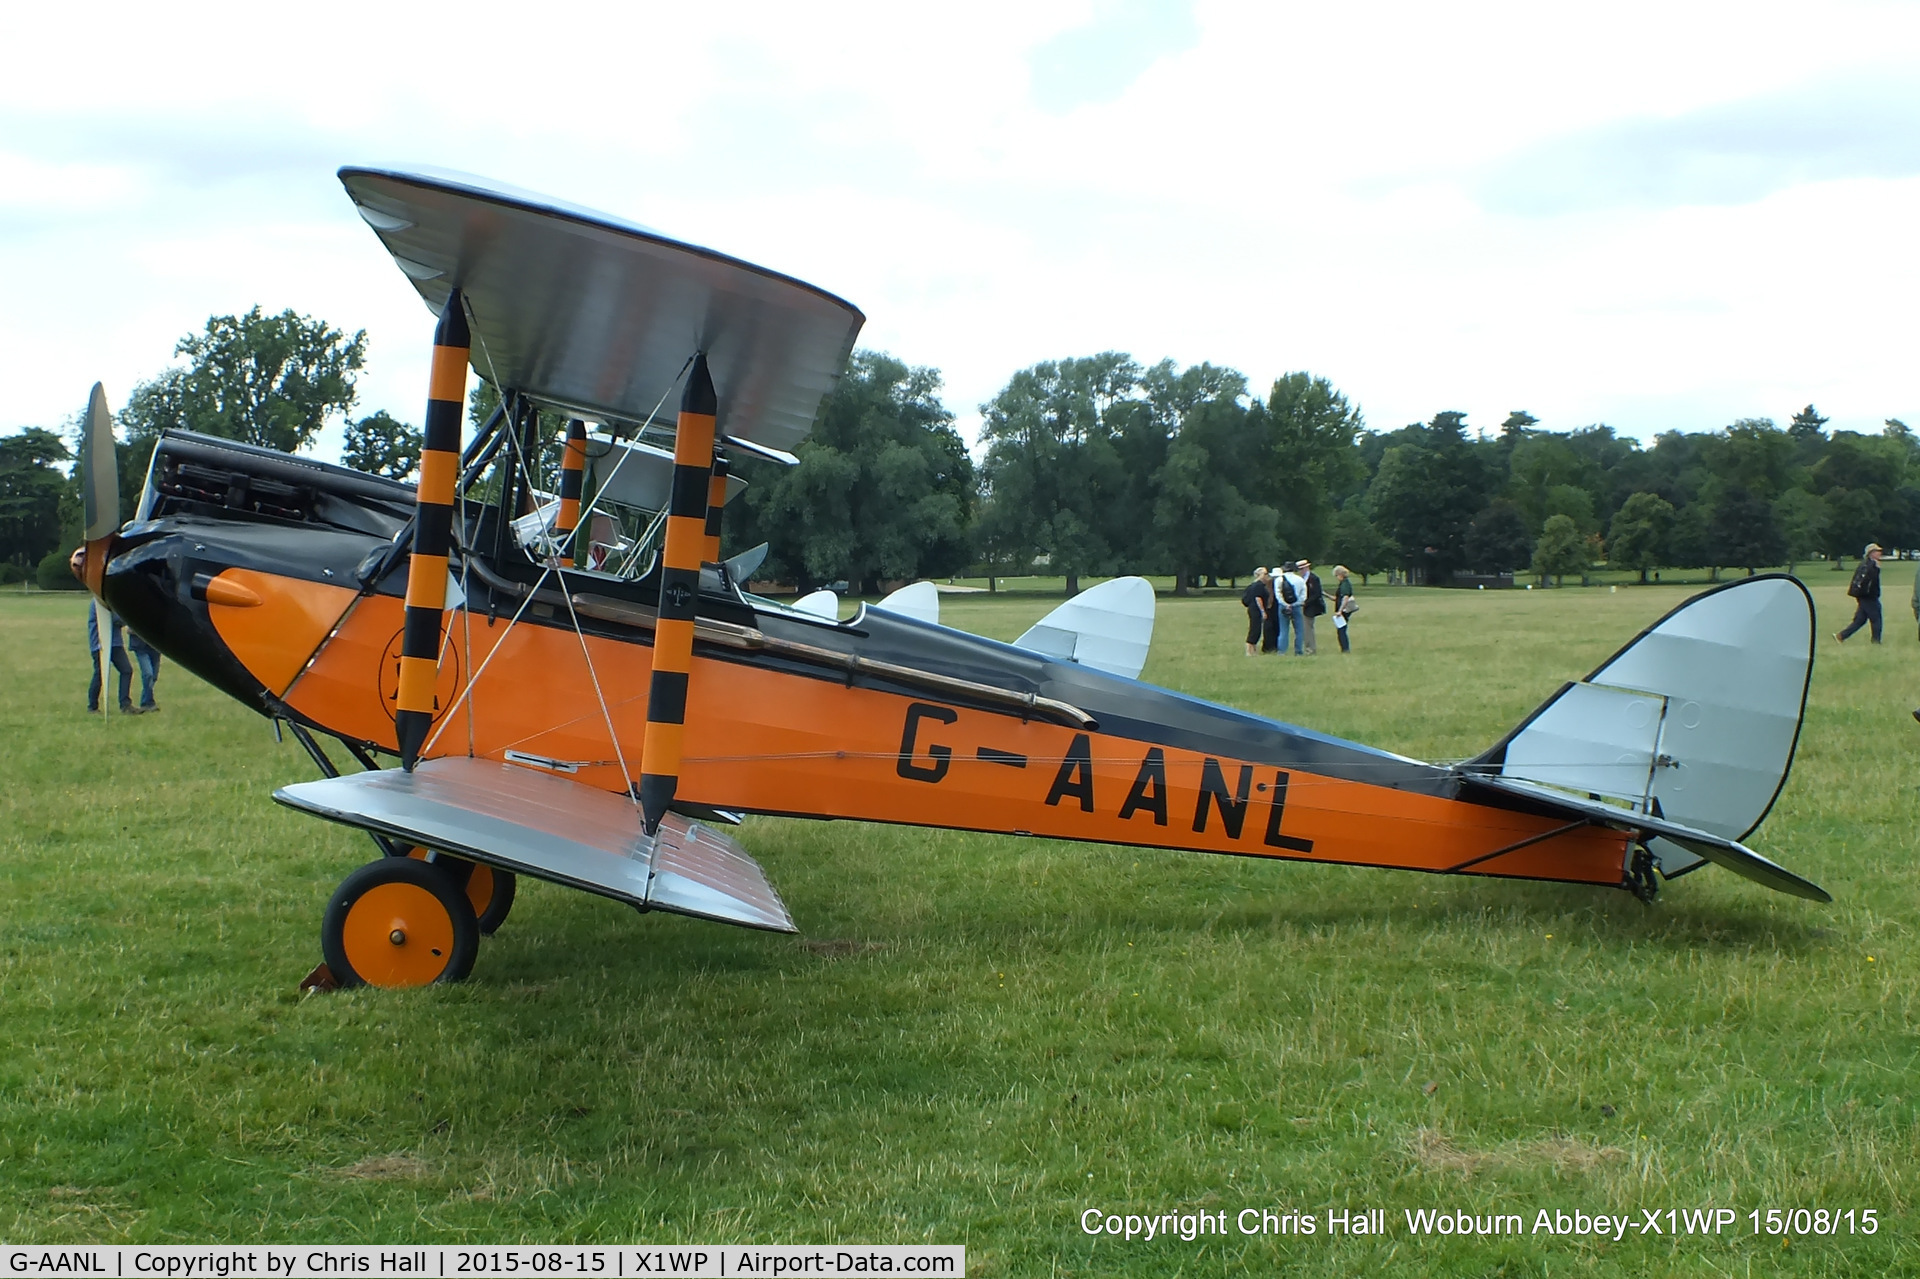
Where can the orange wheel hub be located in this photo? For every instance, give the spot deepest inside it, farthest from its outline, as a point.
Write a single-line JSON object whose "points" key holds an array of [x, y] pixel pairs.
{"points": [[406, 912]]}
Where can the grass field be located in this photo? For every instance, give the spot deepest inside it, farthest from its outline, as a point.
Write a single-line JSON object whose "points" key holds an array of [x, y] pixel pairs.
{"points": [[978, 1038]]}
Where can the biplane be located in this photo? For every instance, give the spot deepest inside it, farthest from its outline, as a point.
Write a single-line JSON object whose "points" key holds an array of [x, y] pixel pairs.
{"points": [[544, 666]]}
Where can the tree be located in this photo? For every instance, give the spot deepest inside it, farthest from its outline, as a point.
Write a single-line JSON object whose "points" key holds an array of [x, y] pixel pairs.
{"points": [[1543, 465], [381, 444], [1202, 522], [1428, 490], [271, 380], [883, 491], [52, 573], [1357, 544], [1637, 538], [1806, 424], [1689, 544], [1562, 549], [1056, 485], [31, 489], [1853, 462], [1853, 520], [1573, 502], [1900, 517], [1743, 531], [1755, 455], [1802, 517], [1497, 540], [1312, 430], [1195, 454]]}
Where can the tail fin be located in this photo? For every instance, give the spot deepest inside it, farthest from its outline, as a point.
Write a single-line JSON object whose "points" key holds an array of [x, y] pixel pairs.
{"points": [[1109, 627], [1694, 722], [918, 600], [821, 603]]}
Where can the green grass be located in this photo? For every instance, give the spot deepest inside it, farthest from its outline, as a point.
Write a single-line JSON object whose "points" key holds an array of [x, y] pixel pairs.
{"points": [[978, 1037]]}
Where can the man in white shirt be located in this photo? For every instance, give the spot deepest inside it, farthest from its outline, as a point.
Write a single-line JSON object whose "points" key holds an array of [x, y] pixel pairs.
{"points": [[1292, 593]]}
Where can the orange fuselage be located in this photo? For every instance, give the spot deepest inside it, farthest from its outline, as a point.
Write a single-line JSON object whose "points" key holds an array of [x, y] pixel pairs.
{"points": [[766, 739]]}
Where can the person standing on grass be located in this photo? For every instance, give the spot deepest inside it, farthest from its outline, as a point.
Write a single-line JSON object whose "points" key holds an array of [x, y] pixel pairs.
{"points": [[1343, 605], [1258, 597], [1292, 589], [1313, 600], [116, 653], [1270, 628], [147, 657], [1916, 599], [1865, 589]]}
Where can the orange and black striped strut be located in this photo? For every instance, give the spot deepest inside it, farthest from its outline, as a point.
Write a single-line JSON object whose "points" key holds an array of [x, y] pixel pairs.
{"points": [[716, 504], [573, 474], [432, 531], [679, 593]]}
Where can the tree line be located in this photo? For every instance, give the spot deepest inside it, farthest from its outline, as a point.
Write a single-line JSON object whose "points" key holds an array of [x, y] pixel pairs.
{"points": [[1100, 465]]}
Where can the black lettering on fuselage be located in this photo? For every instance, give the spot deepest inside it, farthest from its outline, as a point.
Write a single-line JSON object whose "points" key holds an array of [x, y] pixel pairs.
{"points": [[942, 756], [1292, 843], [1213, 790], [1153, 773], [1075, 777]]}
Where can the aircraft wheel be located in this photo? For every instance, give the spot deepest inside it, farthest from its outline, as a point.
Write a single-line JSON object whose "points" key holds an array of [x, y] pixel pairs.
{"points": [[399, 922], [488, 888], [492, 905]]}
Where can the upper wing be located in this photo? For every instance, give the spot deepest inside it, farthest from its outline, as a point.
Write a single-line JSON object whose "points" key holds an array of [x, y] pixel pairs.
{"points": [[597, 316]]}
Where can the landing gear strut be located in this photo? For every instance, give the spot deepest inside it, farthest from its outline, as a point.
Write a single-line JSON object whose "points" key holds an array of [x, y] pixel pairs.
{"points": [[488, 888], [1641, 881]]}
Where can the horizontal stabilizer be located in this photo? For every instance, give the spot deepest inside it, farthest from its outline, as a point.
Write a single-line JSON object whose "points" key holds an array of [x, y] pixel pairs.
{"points": [[551, 828], [1108, 627], [1720, 850]]}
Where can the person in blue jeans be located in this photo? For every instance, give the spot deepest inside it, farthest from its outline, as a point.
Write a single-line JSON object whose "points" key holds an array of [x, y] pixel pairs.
{"points": [[1291, 589], [117, 654], [147, 658]]}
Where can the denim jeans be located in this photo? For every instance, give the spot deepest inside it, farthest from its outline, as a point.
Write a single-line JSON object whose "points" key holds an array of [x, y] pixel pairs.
{"points": [[118, 656], [1290, 615], [1864, 611], [149, 662]]}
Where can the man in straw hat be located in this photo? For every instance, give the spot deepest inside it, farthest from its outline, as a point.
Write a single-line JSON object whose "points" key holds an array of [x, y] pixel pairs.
{"points": [[1865, 589]]}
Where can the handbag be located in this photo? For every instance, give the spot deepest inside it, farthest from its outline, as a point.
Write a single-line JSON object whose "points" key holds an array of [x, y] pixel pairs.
{"points": [[1348, 606]]}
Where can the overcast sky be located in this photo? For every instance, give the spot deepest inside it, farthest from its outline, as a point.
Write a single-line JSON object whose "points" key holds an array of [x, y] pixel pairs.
{"points": [[1660, 216]]}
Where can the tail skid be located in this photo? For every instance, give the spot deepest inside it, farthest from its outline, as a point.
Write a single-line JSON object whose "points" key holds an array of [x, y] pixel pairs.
{"points": [[1686, 734]]}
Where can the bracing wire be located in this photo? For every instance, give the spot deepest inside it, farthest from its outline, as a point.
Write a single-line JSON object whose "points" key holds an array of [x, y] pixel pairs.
{"points": [[612, 734], [517, 453]]}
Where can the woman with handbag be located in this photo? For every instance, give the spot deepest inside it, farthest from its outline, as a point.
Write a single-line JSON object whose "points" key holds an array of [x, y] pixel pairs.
{"points": [[1344, 606]]}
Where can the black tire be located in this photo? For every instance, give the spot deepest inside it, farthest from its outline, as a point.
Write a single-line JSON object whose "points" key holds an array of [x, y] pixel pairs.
{"points": [[495, 914], [388, 905]]}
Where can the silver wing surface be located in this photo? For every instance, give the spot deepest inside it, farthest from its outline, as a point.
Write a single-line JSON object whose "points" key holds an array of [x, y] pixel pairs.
{"points": [[543, 825], [596, 316]]}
